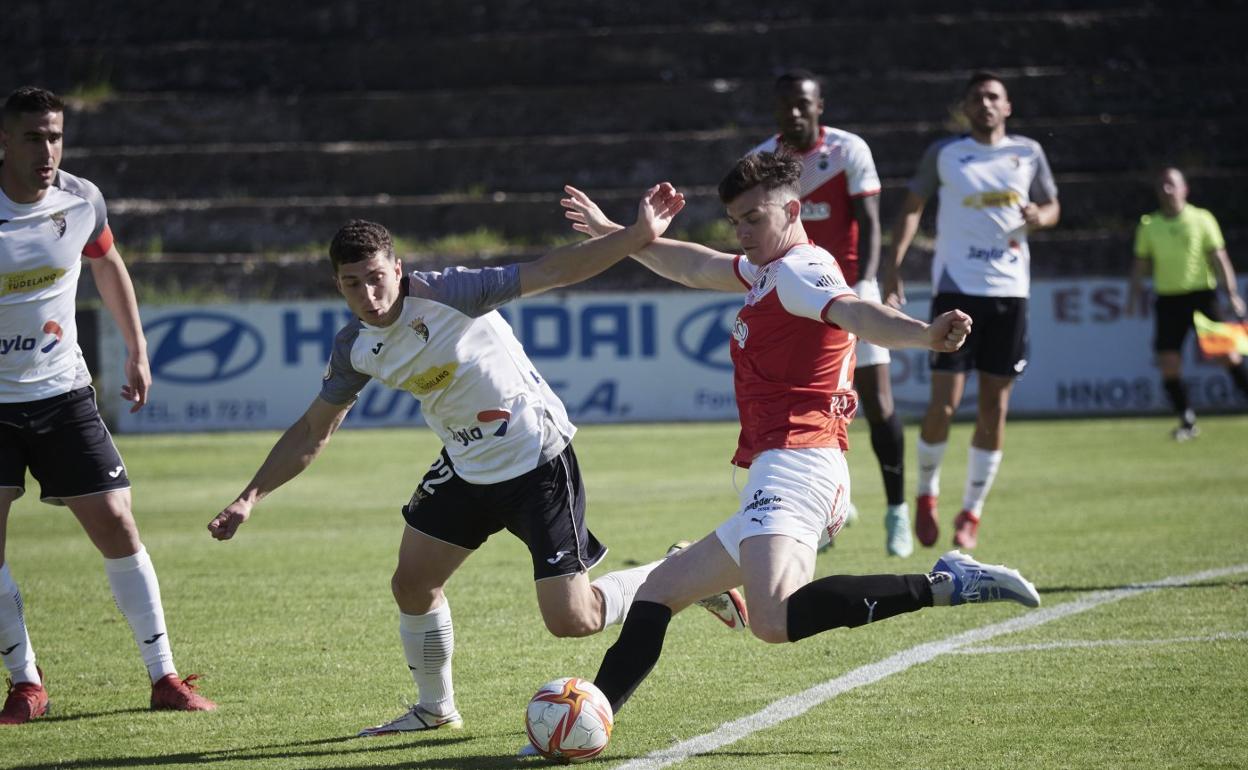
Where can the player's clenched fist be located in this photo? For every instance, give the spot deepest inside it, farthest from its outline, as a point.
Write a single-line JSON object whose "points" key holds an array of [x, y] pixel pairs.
{"points": [[948, 331], [227, 522]]}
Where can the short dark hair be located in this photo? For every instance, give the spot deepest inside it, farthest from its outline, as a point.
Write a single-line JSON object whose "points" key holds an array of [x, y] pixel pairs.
{"points": [[30, 99], [359, 240], [795, 76], [772, 170], [983, 76]]}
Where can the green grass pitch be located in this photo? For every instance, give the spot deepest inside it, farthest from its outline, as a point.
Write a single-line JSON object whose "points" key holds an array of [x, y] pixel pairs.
{"points": [[293, 628]]}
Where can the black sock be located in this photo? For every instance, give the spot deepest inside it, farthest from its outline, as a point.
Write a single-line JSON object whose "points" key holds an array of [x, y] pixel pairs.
{"points": [[634, 653], [889, 442], [1239, 376], [1177, 393], [854, 600]]}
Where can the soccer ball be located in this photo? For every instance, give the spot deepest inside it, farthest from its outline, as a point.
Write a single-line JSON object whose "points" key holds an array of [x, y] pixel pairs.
{"points": [[569, 720]]}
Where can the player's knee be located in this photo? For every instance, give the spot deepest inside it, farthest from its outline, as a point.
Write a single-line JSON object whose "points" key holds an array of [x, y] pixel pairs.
{"points": [[413, 595], [571, 625], [769, 630]]}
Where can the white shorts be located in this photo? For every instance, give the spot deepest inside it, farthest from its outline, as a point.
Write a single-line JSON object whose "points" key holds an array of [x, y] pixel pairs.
{"points": [[801, 493], [866, 353]]}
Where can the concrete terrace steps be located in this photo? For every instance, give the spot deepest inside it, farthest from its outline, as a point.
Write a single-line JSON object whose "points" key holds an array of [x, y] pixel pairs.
{"points": [[1090, 202], [149, 119], [1094, 40], [527, 164], [52, 22]]}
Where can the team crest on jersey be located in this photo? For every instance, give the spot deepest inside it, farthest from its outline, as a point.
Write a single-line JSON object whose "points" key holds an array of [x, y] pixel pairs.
{"points": [[740, 330], [422, 330], [60, 223]]}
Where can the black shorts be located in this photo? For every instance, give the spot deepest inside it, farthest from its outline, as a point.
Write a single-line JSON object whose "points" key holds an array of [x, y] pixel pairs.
{"points": [[545, 508], [1174, 317], [64, 443], [997, 343]]}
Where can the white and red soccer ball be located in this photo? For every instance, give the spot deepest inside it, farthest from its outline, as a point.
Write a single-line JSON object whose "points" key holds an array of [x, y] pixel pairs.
{"points": [[569, 720]]}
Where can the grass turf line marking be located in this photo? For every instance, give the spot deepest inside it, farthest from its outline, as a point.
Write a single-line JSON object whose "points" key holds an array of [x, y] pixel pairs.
{"points": [[1070, 644], [798, 704]]}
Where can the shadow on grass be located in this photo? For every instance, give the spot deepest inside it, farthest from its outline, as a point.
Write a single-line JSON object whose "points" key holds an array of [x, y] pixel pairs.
{"points": [[54, 717], [303, 750], [1085, 589]]}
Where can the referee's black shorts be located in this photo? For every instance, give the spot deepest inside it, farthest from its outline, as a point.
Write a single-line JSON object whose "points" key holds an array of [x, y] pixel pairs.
{"points": [[64, 443], [545, 508], [997, 343], [1173, 317]]}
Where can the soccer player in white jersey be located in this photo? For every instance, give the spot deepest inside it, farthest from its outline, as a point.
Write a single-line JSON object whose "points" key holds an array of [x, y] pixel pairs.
{"points": [[994, 189], [792, 351], [507, 460], [50, 220], [841, 212]]}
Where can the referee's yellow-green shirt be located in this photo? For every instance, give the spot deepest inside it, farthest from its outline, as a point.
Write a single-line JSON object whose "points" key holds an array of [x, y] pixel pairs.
{"points": [[1180, 249]]}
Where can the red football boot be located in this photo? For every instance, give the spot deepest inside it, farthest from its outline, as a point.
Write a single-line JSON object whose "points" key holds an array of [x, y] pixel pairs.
{"points": [[966, 530], [170, 692], [925, 525], [26, 701]]}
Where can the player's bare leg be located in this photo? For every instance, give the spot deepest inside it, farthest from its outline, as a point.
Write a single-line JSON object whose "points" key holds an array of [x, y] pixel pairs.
{"points": [[702, 569], [946, 393], [875, 393], [26, 698], [107, 519], [570, 607], [984, 457], [426, 631], [772, 568]]}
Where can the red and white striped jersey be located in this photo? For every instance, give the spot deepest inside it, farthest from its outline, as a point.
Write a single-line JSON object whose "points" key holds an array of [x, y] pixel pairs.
{"points": [[792, 371], [837, 169]]}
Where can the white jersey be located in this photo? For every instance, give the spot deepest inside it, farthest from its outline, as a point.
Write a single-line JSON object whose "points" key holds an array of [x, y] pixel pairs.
{"points": [[41, 250], [981, 239], [451, 349]]}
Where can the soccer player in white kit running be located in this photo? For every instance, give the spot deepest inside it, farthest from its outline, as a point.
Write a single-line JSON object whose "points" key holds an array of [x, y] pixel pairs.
{"points": [[792, 352], [994, 189], [49, 221], [507, 460], [841, 213]]}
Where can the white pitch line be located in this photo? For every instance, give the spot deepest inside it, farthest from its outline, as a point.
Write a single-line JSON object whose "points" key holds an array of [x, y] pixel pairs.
{"points": [[798, 704], [1070, 644]]}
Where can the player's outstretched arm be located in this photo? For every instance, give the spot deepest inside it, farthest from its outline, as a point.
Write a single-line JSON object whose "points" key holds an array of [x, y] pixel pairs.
{"points": [[904, 230], [292, 453], [893, 329], [690, 264], [117, 291], [577, 262]]}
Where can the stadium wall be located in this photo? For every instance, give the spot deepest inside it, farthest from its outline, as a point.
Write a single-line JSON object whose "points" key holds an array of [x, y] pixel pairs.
{"points": [[615, 357]]}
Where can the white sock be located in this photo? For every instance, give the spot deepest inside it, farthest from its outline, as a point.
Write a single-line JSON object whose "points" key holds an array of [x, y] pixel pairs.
{"points": [[617, 590], [428, 643], [15, 649], [137, 593], [930, 458], [981, 469]]}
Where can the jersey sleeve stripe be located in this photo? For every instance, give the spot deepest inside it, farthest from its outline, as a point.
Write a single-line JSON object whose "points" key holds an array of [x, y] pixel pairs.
{"points": [[866, 193], [736, 270], [100, 246]]}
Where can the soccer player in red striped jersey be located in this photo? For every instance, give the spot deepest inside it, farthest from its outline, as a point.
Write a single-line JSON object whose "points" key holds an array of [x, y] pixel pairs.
{"points": [[840, 194], [792, 352]]}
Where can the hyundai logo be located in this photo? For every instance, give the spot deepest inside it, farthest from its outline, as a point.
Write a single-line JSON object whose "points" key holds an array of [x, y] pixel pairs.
{"points": [[202, 347], [703, 335]]}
